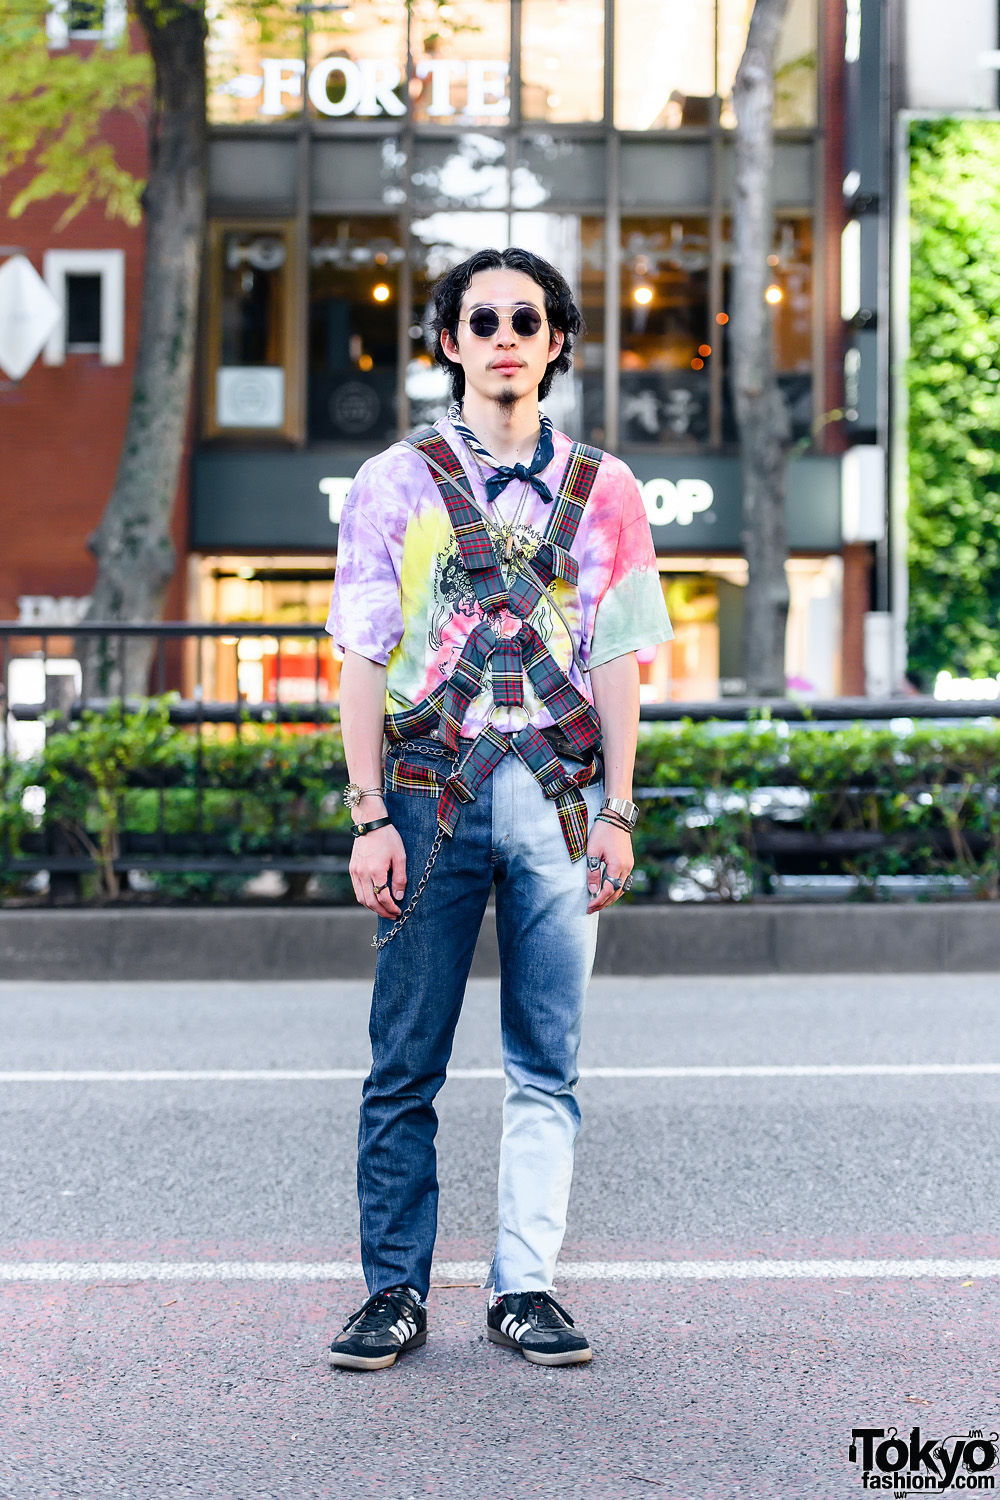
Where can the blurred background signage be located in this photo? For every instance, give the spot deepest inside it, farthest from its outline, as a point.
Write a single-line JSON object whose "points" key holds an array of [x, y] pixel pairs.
{"points": [[294, 500], [372, 86]]}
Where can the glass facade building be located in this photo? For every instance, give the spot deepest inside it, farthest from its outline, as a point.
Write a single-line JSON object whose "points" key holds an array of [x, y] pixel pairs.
{"points": [[361, 149]]}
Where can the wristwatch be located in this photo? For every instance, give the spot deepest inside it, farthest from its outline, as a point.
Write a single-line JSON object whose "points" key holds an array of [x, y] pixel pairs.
{"points": [[625, 810], [354, 793]]}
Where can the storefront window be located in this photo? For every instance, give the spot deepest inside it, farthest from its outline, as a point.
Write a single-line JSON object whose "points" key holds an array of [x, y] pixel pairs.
{"points": [[791, 302], [562, 60], [252, 374], [796, 67], [795, 62], [664, 63], [357, 61], [255, 63], [344, 62], [665, 343], [355, 268], [285, 590], [673, 56], [468, 171], [461, 61], [552, 168]]}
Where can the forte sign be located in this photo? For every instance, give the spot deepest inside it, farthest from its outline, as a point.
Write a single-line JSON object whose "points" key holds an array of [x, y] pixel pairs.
{"points": [[339, 86]]}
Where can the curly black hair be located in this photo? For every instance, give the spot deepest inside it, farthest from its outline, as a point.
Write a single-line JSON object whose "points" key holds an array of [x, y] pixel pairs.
{"points": [[560, 309]]}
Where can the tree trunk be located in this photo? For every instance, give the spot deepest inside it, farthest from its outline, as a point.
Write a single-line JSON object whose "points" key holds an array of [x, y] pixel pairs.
{"points": [[132, 544], [761, 416]]}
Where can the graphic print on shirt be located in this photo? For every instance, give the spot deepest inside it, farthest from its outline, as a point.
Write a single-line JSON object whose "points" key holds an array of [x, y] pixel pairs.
{"points": [[403, 598], [453, 593]]}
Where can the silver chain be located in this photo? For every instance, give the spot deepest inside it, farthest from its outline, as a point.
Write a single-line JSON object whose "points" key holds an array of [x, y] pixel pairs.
{"points": [[379, 943]]}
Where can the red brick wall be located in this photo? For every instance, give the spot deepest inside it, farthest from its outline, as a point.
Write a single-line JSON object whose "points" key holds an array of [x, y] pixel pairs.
{"points": [[61, 427]]}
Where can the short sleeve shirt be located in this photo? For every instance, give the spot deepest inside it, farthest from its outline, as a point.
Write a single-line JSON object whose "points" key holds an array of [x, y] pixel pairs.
{"points": [[403, 598]]}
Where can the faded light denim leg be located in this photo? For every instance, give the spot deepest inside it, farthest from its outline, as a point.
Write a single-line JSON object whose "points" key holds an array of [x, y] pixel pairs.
{"points": [[510, 835], [547, 943]]}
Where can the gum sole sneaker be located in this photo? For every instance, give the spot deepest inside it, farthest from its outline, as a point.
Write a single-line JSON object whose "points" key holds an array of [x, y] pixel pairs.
{"points": [[390, 1324], [536, 1326]]}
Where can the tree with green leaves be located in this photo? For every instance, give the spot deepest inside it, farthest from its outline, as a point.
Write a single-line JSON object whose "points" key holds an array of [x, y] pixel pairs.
{"points": [[51, 108], [954, 399]]}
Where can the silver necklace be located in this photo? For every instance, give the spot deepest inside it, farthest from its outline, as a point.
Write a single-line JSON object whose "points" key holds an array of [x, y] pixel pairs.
{"points": [[508, 528]]}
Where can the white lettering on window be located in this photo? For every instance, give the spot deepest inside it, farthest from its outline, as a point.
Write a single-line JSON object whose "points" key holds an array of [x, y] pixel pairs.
{"points": [[370, 86], [439, 71], [320, 77], [378, 79], [336, 491], [487, 93], [281, 77], [668, 503]]}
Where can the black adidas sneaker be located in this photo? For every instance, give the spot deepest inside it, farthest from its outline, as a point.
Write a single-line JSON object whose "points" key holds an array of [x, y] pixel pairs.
{"points": [[534, 1323], [388, 1325]]}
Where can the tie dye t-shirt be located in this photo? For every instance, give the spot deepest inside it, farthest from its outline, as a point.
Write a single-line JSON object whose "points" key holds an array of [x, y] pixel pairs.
{"points": [[402, 597]]}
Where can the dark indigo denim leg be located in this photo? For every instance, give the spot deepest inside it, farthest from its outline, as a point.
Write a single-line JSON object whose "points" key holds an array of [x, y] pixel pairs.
{"points": [[420, 980]]}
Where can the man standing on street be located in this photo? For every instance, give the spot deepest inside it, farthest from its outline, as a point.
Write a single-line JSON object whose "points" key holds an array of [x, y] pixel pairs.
{"points": [[494, 581]]}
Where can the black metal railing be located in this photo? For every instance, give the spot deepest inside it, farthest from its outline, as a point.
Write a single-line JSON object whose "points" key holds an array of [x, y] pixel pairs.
{"points": [[188, 814]]}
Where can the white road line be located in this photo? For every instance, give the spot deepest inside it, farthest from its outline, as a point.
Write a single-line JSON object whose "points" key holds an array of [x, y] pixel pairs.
{"points": [[345, 1075], [92, 1273]]}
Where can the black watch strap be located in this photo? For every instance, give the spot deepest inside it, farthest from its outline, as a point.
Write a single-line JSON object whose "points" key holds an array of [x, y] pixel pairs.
{"points": [[360, 829]]}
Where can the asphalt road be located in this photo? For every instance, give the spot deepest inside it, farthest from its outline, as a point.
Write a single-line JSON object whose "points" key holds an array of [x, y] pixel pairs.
{"points": [[710, 1377]]}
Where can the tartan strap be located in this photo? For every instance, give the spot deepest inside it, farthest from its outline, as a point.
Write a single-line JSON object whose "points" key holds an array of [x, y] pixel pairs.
{"points": [[559, 785], [484, 755], [553, 558], [419, 720], [475, 545], [511, 658]]}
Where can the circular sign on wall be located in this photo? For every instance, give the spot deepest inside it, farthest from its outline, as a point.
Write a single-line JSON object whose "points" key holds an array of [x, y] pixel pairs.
{"points": [[354, 407]]}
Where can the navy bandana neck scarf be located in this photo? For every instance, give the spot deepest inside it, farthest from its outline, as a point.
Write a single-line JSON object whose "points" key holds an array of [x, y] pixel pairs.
{"points": [[529, 473]]}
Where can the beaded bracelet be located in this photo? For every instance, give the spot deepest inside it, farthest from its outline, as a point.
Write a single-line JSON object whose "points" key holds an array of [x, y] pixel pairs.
{"points": [[604, 816]]}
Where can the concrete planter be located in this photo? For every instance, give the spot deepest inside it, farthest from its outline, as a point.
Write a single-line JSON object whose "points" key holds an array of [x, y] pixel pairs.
{"points": [[250, 943]]}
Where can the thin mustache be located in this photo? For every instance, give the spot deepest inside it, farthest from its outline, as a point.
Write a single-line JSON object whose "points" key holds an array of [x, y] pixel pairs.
{"points": [[506, 359]]}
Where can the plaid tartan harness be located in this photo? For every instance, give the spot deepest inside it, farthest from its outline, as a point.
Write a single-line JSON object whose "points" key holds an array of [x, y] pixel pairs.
{"points": [[501, 662]]}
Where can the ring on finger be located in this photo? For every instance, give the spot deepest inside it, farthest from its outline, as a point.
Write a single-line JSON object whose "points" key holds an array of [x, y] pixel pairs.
{"points": [[383, 887], [615, 885]]}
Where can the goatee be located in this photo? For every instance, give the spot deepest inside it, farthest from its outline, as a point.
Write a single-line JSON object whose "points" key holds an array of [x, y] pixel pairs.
{"points": [[506, 402]]}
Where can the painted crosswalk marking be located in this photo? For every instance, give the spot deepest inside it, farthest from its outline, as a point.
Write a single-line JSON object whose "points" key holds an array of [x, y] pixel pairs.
{"points": [[757, 1269], [352, 1075]]}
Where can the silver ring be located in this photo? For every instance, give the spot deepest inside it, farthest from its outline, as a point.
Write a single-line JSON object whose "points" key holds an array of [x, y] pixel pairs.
{"points": [[615, 885], [628, 883], [593, 863]]}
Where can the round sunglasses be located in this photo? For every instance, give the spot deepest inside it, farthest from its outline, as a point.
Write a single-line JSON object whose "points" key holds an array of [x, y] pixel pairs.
{"points": [[484, 322]]}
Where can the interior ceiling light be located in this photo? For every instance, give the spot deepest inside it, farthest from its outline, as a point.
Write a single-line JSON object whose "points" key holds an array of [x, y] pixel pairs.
{"points": [[704, 350], [722, 319], [773, 294], [381, 292], [643, 295]]}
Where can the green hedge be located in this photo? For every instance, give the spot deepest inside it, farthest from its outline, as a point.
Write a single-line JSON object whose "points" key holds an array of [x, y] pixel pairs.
{"points": [[954, 393], [721, 802]]}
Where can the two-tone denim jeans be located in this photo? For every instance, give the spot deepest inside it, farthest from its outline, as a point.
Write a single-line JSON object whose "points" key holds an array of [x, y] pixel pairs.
{"points": [[510, 838]]}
